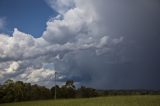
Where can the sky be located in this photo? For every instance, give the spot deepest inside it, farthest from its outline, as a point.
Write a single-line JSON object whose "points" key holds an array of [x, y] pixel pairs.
{"points": [[29, 16], [105, 44]]}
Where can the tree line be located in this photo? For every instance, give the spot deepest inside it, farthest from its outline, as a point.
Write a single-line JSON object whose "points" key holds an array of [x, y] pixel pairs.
{"points": [[14, 91]]}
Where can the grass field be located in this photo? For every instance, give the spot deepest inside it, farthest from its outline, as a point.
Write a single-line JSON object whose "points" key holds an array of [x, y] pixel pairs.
{"points": [[100, 101]]}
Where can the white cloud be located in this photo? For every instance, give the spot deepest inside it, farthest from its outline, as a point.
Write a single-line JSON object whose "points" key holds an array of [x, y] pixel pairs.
{"points": [[61, 6], [37, 75], [9, 68], [13, 67], [77, 29], [73, 25], [21, 46]]}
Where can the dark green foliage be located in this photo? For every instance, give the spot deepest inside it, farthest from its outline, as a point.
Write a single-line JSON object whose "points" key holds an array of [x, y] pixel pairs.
{"points": [[66, 91], [84, 92], [12, 91], [58, 90], [70, 84], [69, 89]]}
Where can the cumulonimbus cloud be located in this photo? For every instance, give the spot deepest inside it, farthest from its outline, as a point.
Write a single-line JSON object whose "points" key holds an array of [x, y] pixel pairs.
{"points": [[77, 43], [75, 29]]}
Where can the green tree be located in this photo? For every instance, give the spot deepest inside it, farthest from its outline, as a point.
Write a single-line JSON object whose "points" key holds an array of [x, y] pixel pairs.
{"points": [[70, 84], [59, 92], [69, 89], [8, 91], [84, 92], [19, 91]]}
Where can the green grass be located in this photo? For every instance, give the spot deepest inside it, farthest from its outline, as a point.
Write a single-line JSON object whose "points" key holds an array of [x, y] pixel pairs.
{"points": [[147, 100]]}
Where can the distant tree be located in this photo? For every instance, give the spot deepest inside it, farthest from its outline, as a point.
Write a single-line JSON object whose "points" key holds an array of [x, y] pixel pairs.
{"points": [[35, 92], [44, 93], [1, 93], [70, 84], [13, 91], [69, 88], [66, 91], [59, 92], [19, 91], [8, 91], [8, 82], [84, 92]]}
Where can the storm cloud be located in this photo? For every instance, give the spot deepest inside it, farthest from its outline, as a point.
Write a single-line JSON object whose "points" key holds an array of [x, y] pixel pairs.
{"points": [[105, 44]]}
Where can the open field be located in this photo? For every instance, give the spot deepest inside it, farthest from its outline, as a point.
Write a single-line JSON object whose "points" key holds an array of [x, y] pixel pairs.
{"points": [[147, 100]]}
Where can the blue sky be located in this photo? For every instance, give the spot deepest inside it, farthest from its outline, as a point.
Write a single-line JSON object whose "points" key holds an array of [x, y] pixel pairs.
{"points": [[29, 16]]}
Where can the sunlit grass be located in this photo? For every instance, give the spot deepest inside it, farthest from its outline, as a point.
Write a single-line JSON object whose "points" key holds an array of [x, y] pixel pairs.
{"points": [[148, 100]]}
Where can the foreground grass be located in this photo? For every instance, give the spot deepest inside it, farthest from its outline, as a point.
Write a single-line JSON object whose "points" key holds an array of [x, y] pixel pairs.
{"points": [[148, 100]]}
